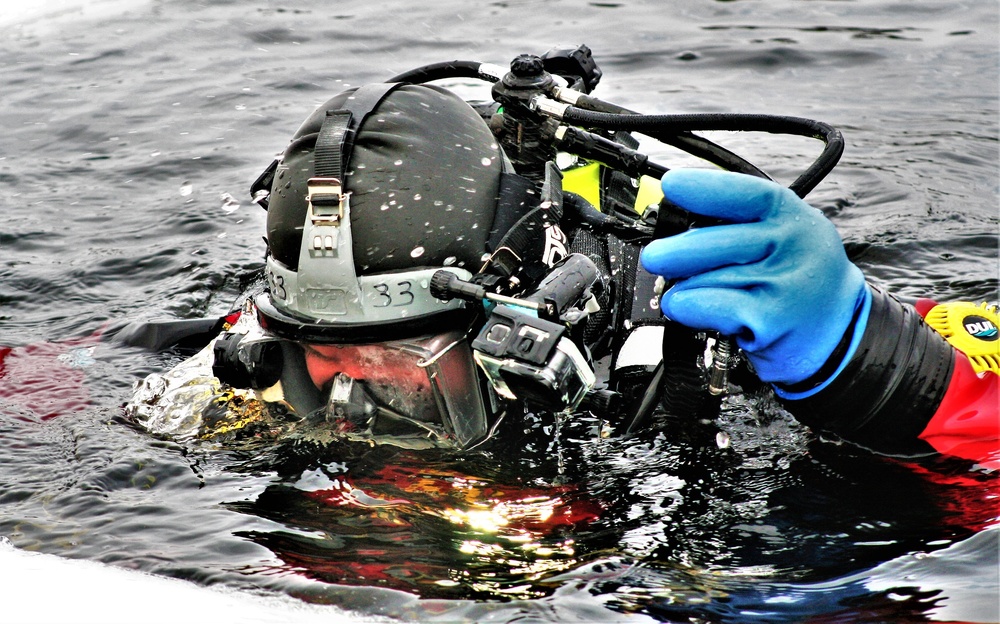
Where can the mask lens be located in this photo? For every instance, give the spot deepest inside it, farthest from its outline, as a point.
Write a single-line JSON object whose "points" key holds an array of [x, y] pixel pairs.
{"points": [[427, 386]]}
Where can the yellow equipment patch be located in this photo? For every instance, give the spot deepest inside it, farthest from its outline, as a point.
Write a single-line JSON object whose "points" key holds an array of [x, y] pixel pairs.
{"points": [[585, 181], [972, 329]]}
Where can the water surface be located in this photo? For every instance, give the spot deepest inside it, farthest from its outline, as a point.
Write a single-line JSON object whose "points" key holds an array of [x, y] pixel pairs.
{"points": [[131, 133]]}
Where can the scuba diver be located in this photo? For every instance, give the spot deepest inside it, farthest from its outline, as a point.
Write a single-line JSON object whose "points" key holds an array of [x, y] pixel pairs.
{"points": [[432, 264]]}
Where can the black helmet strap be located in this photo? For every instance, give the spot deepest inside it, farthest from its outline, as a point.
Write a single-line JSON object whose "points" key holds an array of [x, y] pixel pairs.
{"points": [[335, 140], [336, 137]]}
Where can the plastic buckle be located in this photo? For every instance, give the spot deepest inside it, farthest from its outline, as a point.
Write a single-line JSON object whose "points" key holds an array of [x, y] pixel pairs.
{"points": [[328, 203], [327, 200]]}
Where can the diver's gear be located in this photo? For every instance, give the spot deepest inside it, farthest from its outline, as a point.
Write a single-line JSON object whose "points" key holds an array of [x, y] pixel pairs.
{"points": [[358, 231], [738, 278], [423, 390], [566, 294], [529, 358], [159, 335], [970, 328], [718, 376], [246, 363], [328, 243], [525, 347], [889, 387], [966, 423]]}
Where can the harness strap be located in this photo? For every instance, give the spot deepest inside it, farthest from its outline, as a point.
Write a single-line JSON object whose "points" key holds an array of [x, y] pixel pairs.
{"points": [[518, 195], [526, 235], [336, 137]]}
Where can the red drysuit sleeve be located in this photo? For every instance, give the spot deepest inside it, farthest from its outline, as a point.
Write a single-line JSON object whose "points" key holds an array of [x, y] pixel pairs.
{"points": [[967, 421]]}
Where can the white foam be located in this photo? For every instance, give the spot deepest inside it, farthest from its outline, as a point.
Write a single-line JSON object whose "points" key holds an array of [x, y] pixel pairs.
{"points": [[39, 588]]}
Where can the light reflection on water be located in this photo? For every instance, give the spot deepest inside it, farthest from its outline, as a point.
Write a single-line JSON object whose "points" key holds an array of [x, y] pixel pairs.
{"points": [[128, 148]]}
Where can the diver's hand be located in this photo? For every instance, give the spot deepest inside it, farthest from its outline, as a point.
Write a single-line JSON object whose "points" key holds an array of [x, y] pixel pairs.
{"points": [[776, 278]]}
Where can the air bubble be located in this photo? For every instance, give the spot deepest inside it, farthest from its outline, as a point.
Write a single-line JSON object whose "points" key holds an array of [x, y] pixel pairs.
{"points": [[486, 162], [722, 439], [450, 260], [417, 252], [417, 197], [186, 189], [398, 163]]}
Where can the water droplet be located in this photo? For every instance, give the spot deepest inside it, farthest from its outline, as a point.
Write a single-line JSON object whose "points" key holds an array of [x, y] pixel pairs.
{"points": [[229, 203], [384, 206], [186, 188], [654, 304], [398, 163], [417, 252], [450, 260], [438, 202], [241, 107], [417, 197], [486, 162]]}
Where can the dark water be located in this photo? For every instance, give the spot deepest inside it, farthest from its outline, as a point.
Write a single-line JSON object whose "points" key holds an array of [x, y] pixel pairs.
{"points": [[131, 131]]}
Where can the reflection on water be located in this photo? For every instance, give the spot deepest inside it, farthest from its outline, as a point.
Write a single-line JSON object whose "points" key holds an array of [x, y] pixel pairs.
{"points": [[128, 147]]}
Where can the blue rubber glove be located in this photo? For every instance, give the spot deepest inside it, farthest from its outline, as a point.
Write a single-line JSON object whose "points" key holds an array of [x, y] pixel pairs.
{"points": [[776, 278]]}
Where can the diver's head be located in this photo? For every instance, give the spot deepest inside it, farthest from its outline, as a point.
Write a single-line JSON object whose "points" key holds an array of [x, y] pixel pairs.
{"points": [[380, 187]]}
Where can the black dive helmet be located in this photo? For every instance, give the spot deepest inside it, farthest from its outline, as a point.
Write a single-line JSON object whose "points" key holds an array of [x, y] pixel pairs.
{"points": [[380, 187]]}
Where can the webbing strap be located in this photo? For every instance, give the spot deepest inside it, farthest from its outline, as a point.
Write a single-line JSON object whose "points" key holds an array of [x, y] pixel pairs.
{"points": [[518, 197], [525, 232], [336, 137], [329, 156]]}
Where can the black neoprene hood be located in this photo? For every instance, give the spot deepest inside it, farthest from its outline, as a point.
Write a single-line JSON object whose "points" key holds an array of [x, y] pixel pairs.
{"points": [[423, 176]]}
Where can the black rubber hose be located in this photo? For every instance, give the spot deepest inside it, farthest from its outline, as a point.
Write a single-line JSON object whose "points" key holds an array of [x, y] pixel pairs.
{"points": [[774, 124], [686, 141], [439, 71]]}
